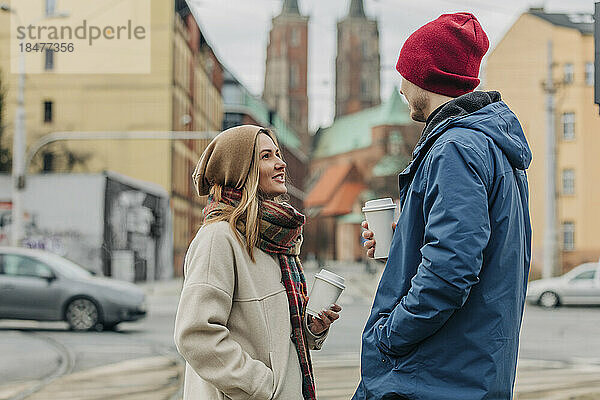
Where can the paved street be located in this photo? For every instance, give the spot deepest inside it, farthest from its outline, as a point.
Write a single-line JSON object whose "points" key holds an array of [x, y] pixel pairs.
{"points": [[560, 353], [138, 359], [565, 334]]}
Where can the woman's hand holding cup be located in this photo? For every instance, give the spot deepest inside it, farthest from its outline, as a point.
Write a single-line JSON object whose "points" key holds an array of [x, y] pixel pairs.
{"points": [[326, 318]]}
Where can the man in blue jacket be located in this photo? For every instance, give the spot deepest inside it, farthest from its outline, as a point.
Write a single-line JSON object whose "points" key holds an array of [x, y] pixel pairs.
{"points": [[446, 318]]}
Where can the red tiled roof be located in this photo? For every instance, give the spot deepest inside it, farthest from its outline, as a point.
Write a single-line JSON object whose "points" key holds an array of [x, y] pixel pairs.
{"points": [[325, 188], [343, 199]]}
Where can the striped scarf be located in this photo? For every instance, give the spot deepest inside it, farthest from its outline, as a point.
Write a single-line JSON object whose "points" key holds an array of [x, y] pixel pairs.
{"points": [[280, 229]]}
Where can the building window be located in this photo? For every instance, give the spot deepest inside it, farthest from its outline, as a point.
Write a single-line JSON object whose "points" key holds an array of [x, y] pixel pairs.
{"points": [[568, 234], [568, 181], [589, 73], [293, 76], [47, 111], [294, 113], [295, 37], [365, 49], [395, 143], [232, 119], [568, 123], [49, 63], [50, 7], [48, 160], [568, 73], [364, 88]]}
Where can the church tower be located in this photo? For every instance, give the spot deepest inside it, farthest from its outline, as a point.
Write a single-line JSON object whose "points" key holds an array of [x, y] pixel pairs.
{"points": [[357, 81], [286, 69]]}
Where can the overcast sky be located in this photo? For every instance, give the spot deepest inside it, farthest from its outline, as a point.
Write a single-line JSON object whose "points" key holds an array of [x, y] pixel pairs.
{"points": [[238, 32]]}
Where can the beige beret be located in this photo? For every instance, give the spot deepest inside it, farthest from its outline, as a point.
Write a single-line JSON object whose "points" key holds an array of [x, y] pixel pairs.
{"points": [[227, 159]]}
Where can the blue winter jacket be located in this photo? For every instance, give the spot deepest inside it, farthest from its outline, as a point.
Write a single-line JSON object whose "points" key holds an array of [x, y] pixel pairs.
{"points": [[446, 317]]}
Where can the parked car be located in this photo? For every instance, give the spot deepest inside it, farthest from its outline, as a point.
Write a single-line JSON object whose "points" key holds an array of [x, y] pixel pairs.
{"points": [[580, 286], [39, 285]]}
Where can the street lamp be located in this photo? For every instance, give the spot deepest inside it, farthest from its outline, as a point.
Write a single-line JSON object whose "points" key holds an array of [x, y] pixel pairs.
{"points": [[19, 140]]}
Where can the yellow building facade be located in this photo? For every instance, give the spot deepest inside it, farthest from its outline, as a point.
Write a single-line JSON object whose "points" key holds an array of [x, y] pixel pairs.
{"points": [[181, 92], [518, 68]]}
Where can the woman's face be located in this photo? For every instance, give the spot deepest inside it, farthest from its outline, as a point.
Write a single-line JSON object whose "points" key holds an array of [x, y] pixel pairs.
{"points": [[271, 179]]}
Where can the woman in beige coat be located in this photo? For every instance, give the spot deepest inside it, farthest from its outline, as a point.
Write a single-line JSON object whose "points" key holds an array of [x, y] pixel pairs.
{"points": [[241, 324]]}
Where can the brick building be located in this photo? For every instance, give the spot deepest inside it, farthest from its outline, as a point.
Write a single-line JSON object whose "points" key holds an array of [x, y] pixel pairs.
{"points": [[357, 158], [286, 73], [357, 80]]}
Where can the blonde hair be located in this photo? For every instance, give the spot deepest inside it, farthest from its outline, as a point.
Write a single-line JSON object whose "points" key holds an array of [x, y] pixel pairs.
{"points": [[248, 207]]}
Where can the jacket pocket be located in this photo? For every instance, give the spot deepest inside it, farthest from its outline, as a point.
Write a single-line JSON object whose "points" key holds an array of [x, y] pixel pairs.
{"points": [[407, 361], [397, 362]]}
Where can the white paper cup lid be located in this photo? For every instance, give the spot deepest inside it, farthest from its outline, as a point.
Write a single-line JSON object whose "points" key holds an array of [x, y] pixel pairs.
{"points": [[332, 278], [379, 204]]}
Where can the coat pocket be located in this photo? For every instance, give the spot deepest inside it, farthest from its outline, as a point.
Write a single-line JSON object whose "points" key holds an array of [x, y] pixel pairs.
{"points": [[274, 379], [277, 319], [276, 316]]}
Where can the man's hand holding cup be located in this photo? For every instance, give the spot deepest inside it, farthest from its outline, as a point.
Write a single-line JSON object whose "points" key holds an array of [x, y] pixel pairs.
{"points": [[370, 241], [379, 214]]}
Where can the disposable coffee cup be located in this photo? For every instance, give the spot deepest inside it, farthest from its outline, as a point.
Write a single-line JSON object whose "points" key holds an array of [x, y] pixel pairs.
{"points": [[326, 290], [380, 215]]}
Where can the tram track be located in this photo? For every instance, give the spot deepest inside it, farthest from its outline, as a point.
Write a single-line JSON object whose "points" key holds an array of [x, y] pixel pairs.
{"points": [[63, 380], [65, 365]]}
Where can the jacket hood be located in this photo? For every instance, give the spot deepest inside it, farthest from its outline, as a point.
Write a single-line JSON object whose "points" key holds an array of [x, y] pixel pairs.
{"points": [[484, 112]]}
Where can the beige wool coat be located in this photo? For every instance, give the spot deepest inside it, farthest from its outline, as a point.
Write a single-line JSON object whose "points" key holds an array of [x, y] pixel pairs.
{"points": [[233, 323]]}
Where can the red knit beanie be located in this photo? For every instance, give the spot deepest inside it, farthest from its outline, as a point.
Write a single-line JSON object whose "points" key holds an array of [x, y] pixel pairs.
{"points": [[443, 56]]}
